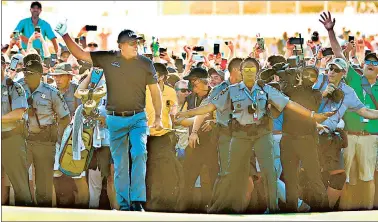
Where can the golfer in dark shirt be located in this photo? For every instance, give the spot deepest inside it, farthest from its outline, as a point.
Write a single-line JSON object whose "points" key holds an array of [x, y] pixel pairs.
{"points": [[127, 75]]}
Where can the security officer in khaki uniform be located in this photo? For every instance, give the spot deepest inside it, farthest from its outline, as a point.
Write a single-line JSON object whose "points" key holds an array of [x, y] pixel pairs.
{"points": [[48, 116], [250, 128], [13, 107]]}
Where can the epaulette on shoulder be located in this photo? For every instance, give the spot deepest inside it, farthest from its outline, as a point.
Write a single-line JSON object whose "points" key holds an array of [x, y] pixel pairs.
{"points": [[20, 91], [50, 87]]}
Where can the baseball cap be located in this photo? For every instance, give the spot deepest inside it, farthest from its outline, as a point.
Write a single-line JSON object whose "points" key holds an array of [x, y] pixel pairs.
{"points": [[33, 66], [341, 63], [128, 35], [371, 56], [172, 79], [197, 73], [63, 68], [218, 72], [64, 49]]}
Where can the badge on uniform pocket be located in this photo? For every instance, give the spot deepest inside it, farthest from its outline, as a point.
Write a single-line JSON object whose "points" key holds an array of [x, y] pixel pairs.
{"points": [[43, 96]]}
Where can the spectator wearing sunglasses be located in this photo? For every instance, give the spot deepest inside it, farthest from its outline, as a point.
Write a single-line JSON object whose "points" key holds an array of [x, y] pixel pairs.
{"points": [[48, 116], [13, 107], [127, 74], [92, 46], [361, 124], [182, 92]]}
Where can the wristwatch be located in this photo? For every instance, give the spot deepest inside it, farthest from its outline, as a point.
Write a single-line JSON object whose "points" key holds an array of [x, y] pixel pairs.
{"points": [[312, 114]]}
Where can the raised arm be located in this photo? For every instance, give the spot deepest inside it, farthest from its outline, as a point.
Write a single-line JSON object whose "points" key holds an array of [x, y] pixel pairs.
{"points": [[74, 48], [328, 23]]}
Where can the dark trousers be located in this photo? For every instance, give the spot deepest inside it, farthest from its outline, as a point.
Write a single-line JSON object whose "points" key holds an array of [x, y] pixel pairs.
{"points": [[204, 154], [13, 155], [304, 148], [43, 155], [64, 191], [165, 176]]}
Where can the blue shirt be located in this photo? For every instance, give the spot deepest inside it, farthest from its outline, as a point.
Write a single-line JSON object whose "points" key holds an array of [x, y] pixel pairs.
{"points": [[26, 28], [18, 100], [221, 117], [277, 123], [240, 97], [350, 102]]}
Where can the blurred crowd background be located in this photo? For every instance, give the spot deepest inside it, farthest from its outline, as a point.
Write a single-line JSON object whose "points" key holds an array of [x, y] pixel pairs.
{"points": [[177, 23]]}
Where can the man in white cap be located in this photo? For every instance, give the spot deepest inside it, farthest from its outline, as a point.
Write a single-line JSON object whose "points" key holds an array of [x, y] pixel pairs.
{"points": [[361, 128]]}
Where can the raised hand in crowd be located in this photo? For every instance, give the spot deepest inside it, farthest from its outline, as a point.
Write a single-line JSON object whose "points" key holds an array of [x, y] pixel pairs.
{"points": [[327, 21]]}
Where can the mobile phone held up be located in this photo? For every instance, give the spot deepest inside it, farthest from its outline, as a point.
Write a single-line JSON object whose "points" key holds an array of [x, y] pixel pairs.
{"points": [[216, 49], [16, 35], [198, 58], [327, 52], [162, 50], [261, 43], [296, 41], [37, 29], [350, 38], [91, 28], [13, 64], [198, 48]]}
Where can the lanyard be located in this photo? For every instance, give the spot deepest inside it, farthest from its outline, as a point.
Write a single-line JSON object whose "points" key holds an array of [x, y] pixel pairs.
{"points": [[251, 97]]}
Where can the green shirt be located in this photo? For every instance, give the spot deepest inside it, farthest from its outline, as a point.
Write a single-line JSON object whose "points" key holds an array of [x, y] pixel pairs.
{"points": [[353, 121]]}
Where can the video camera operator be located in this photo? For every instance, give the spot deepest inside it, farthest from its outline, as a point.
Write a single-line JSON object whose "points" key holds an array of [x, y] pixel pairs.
{"points": [[299, 132]]}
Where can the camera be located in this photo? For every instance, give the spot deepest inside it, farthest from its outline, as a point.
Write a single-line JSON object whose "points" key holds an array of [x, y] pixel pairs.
{"points": [[84, 66], [337, 94]]}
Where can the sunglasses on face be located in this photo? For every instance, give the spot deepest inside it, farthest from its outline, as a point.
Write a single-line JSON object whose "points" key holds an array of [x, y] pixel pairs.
{"points": [[369, 62], [92, 45], [133, 43], [337, 70], [253, 69]]}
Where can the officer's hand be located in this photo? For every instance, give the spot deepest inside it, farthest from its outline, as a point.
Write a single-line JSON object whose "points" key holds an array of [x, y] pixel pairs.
{"points": [[322, 128], [208, 125], [193, 140], [61, 28], [180, 115], [158, 125]]}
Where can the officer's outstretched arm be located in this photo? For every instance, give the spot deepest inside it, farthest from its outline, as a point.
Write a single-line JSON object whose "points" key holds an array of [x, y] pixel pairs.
{"points": [[319, 118], [368, 113], [185, 122], [197, 111], [13, 116]]}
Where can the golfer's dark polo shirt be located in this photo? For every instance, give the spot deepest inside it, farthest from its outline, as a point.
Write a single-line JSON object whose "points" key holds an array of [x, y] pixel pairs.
{"points": [[126, 80]]}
